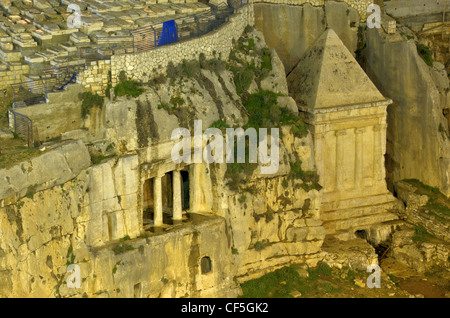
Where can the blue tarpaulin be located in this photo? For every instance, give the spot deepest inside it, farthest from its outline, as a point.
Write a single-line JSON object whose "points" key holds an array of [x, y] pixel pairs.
{"points": [[169, 33]]}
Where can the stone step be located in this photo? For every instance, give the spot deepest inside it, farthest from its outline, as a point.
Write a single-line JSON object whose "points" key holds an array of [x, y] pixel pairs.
{"points": [[357, 223], [333, 201], [357, 212], [376, 233]]}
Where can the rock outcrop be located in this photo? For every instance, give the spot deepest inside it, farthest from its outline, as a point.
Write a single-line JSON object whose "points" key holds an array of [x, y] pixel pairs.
{"points": [[347, 116], [418, 146], [63, 208]]}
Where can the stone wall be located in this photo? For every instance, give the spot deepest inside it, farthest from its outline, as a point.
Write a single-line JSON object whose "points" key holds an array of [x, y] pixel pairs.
{"points": [[13, 73], [291, 30], [96, 77], [61, 113], [142, 66], [409, 8], [358, 5]]}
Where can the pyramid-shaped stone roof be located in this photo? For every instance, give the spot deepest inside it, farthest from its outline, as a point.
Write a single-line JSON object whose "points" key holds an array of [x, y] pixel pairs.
{"points": [[327, 75]]}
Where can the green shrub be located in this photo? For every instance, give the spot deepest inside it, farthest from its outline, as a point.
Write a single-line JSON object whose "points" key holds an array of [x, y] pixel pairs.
{"points": [[220, 124], [242, 78], [242, 199], [190, 68], [164, 106], [310, 178], [89, 101], [425, 53], [176, 101], [128, 88], [108, 90], [266, 59], [122, 248], [248, 28], [122, 76], [260, 245]]}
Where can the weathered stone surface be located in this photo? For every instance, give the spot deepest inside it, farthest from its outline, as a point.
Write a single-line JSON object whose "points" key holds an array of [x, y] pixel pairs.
{"points": [[344, 116], [328, 76], [418, 152], [52, 168], [356, 253], [6, 134], [277, 21], [406, 193], [275, 81], [41, 4]]}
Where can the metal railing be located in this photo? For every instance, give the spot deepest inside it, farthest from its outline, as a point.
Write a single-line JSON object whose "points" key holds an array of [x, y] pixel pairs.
{"points": [[56, 78], [29, 93], [141, 39], [23, 126], [188, 27]]}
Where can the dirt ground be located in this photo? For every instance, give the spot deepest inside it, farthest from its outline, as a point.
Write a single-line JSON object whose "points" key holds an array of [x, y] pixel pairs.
{"points": [[397, 281]]}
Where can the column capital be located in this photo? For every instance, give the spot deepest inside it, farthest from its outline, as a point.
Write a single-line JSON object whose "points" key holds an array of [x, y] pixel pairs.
{"points": [[360, 130], [342, 132], [376, 128]]}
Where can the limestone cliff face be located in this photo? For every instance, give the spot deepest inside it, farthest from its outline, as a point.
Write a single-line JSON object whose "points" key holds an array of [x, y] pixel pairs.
{"points": [[417, 137], [292, 29], [92, 214]]}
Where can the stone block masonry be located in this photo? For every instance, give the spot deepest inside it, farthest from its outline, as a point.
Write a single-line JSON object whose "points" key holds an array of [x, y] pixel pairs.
{"points": [[358, 5], [142, 66], [96, 77]]}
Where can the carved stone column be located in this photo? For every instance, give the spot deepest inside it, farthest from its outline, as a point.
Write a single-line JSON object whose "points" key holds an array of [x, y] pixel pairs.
{"points": [[177, 206], [359, 157], [157, 197], [340, 154]]}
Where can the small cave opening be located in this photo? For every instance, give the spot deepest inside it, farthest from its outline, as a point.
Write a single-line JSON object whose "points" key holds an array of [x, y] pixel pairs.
{"points": [[206, 265], [361, 234], [381, 248], [137, 290]]}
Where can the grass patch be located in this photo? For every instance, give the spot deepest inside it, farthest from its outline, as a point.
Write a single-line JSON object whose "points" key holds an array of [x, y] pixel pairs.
{"points": [[280, 283], [421, 234], [13, 152], [270, 285], [438, 204], [98, 158], [322, 269], [122, 248]]}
